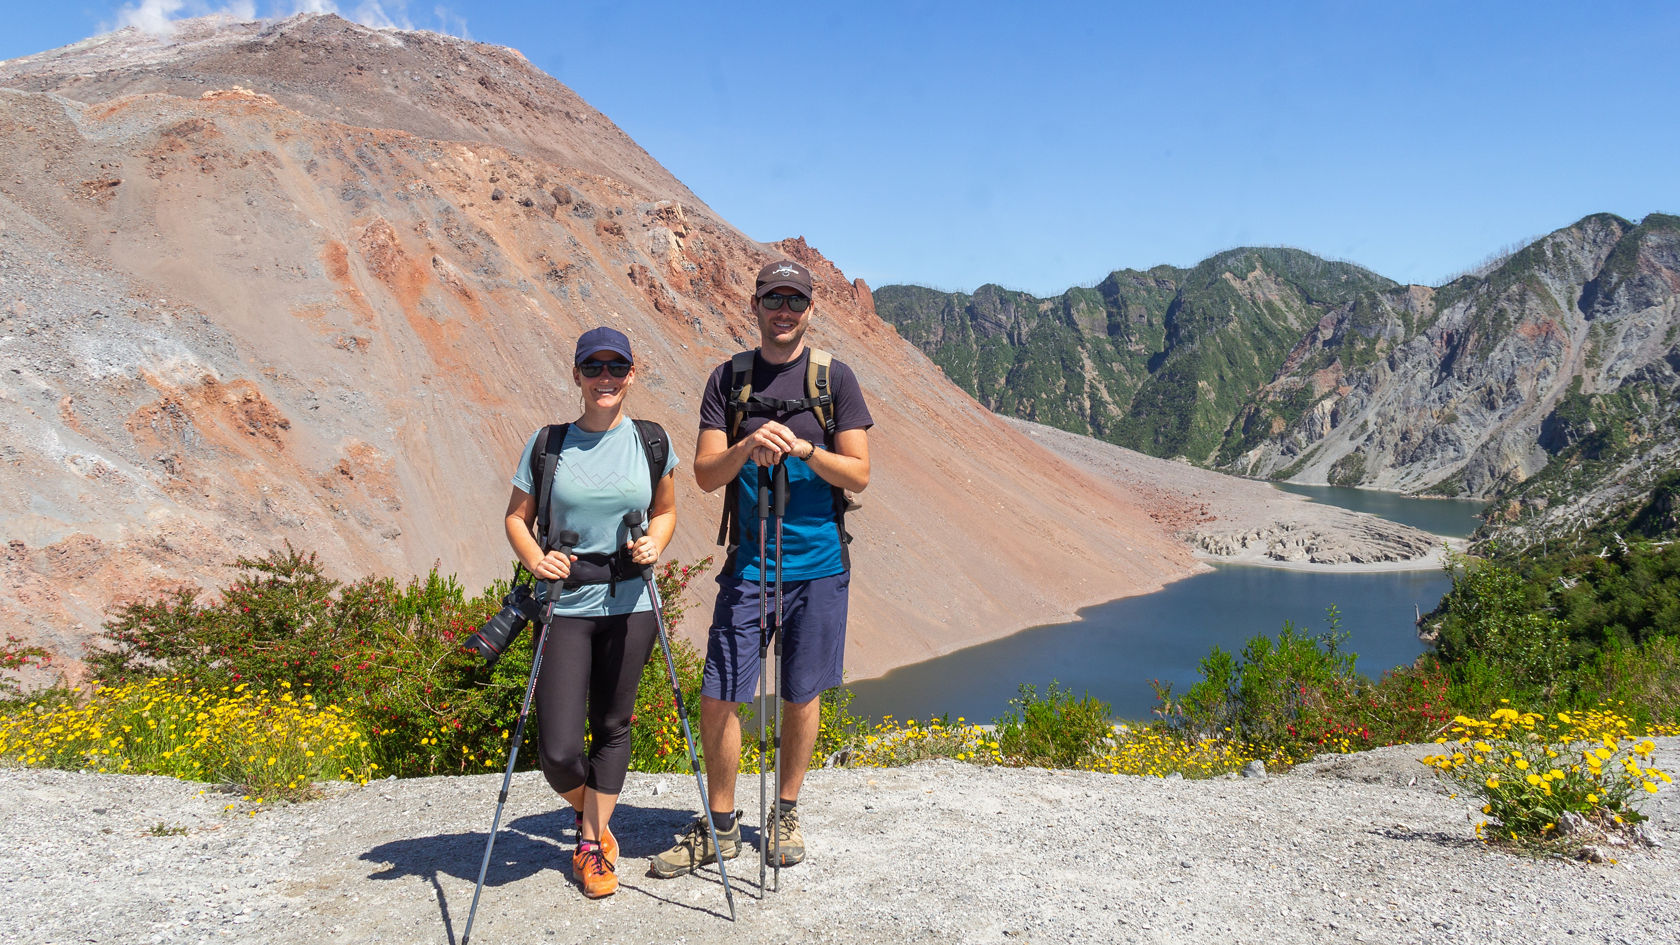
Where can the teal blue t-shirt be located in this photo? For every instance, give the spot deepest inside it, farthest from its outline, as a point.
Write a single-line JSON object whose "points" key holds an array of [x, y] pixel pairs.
{"points": [[600, 477]]}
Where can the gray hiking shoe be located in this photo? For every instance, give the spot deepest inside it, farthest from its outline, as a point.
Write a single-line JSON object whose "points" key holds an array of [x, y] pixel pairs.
{"points": [[789, 845], [694, 849]]}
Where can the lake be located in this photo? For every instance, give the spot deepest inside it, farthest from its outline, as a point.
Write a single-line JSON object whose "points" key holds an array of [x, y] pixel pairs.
{"points": [[1115, 649]]}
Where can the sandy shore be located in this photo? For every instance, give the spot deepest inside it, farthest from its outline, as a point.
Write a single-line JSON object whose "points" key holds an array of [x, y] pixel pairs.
{"points": [[1230, 520], [1433, 560]]}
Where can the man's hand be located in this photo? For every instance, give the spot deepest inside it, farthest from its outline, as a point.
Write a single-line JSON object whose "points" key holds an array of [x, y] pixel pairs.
{"points": [[769, 443]]}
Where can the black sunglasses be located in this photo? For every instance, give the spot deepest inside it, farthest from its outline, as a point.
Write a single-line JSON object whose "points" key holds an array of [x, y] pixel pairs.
{"points": [[774, 300], [593, 368]]}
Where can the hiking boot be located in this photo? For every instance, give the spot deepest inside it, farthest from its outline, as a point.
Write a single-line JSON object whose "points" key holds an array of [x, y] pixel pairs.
{"points": [[609, 843], [789, 845], [694, 849], [593, 872]]}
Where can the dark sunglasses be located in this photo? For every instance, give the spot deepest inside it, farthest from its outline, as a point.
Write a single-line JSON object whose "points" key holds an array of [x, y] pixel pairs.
{"points": [[774, 300], [593, 368]]}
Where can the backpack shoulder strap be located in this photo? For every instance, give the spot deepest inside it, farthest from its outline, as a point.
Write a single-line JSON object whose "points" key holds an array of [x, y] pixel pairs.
{"points": [[816, 389], [740, 391], [656, 446], [545, 456]]}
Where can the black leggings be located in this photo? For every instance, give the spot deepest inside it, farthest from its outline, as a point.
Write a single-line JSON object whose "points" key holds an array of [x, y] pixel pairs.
{"points": [[597, 660]]}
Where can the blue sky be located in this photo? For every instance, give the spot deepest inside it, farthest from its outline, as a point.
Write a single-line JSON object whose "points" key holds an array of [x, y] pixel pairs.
{"points": [[1042, 145]]}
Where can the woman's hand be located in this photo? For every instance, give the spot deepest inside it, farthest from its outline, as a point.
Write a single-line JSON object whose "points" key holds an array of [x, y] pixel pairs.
{"points": [[553, 566], [643, 551]]}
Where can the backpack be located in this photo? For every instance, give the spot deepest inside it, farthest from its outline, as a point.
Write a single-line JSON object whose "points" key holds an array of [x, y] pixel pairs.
{"points": [[742, 403], [545, 456]]}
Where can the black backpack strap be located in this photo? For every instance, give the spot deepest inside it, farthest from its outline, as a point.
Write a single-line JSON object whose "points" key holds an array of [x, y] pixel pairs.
{"points": [[545, 456], [736, 404], [656, 445]]}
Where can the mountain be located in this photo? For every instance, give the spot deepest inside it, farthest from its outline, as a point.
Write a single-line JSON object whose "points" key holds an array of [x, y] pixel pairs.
{"points": [[1547, 383], [316, 283]]}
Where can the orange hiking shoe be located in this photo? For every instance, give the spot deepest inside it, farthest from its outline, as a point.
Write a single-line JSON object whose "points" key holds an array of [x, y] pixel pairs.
{"points": [[609, 843], [593, 872], [609, 847]]}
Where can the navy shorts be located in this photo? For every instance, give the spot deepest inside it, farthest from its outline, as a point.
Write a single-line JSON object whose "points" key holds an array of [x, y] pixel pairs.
{"points": [[814, 621]]}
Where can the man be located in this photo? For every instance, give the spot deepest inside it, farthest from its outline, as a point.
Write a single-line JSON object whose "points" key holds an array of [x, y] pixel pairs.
{"points": [[758, 411]]}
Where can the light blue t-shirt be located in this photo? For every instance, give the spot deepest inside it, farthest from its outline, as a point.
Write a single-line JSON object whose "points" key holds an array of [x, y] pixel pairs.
{"points": [[600, 476]]}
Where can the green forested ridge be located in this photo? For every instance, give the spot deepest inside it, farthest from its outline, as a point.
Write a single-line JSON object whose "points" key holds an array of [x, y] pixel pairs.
{"points": [[1275, 362], [1160, 361]]}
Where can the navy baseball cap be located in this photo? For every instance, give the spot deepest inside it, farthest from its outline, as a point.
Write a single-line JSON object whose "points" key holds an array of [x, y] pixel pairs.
{"points": [[602, 339]]}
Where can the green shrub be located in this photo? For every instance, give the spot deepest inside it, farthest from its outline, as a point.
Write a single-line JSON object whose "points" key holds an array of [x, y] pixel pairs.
{"points": [[389, 654], [1057, 730], [1278, 692]]}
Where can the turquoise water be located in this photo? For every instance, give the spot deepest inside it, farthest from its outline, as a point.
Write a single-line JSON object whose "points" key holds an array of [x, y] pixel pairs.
{"points": [[1115, 649], [1454, 518]]}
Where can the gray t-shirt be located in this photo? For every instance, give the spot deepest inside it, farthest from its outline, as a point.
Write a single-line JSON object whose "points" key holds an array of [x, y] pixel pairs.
{"points": [[600, 477]]}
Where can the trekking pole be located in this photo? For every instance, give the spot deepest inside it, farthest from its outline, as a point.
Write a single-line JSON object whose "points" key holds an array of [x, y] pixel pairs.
{"points": [[778, 501], [568, 540], [763, 656], [634, 521]]}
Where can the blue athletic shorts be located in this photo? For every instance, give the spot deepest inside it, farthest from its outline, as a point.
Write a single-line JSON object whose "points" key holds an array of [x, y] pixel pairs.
{"points": [[814, 618]]}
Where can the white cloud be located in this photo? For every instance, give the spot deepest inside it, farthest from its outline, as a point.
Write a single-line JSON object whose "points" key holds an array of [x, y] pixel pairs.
{"points": [[159, 16], [450, 23], [151, 16], [373, 13]]}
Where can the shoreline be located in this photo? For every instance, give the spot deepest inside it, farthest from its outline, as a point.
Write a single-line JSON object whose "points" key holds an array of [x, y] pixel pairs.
{"points": [[1434, 560]]}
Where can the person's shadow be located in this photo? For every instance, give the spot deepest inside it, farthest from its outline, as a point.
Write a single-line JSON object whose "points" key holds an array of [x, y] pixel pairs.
{"points": [[531, 844]]}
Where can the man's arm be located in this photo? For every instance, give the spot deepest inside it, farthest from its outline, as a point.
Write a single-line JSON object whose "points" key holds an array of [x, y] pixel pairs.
{"points": [[846, 465], [716, 462]]}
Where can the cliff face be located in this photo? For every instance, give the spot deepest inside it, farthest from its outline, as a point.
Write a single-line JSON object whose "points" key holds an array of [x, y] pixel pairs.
{"points": [[316, 283], [1272, 363]]}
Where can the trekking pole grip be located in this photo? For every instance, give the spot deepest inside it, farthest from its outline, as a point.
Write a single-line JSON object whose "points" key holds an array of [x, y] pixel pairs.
{"points": [[779, 489], [763, 495], [633, 521], [564, 543]]}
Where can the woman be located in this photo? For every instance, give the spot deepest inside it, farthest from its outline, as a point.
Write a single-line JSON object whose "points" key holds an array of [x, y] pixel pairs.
{"points": [[604, 626]]}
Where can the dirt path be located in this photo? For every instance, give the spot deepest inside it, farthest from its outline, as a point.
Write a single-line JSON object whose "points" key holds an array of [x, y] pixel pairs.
{"points": [[1359, 848]]}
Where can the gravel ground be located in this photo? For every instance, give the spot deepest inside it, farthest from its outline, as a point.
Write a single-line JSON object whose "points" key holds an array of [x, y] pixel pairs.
{"points": [[1357, 848]]}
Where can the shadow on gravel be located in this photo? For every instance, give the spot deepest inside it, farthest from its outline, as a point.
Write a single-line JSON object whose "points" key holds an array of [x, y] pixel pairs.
{"points": [[533, 844], [1430, 836]]}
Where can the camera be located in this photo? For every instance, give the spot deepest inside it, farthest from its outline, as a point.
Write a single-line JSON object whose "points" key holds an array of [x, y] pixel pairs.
{"points": [[519, 607]]}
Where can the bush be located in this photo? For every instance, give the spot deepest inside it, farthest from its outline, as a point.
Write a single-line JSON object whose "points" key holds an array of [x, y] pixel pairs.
{"points": [[15, 656], [1283, 692], [389, 655], [1534, 775], [1056, 730], [1493, 615]]}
